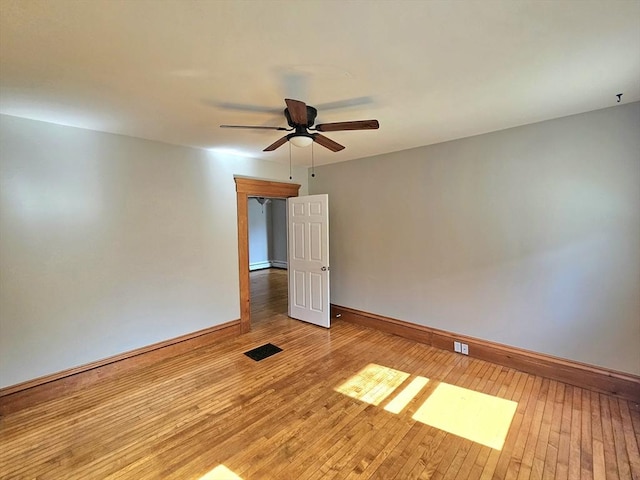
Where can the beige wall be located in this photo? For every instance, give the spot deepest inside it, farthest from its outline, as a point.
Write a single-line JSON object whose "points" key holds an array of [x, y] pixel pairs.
{"points": [[110, 243], [528, 237]]}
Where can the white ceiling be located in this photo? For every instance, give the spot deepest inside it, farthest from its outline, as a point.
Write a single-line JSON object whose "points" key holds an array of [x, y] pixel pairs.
{"points": [[429, 71]]}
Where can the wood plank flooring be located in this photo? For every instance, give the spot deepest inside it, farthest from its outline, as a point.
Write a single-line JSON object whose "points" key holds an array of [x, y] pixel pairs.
{"points": [[283, 418], [269, 295]]}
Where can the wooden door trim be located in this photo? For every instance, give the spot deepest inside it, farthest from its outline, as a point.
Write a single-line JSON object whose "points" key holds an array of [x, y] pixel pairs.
{"points": [[245, 188]]}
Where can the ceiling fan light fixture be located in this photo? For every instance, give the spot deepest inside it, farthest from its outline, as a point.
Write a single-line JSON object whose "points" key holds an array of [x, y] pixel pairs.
{"points": [[301, 140]]}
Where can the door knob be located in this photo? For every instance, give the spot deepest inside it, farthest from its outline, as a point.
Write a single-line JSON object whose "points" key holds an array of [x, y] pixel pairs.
{"points": [[325, 269]]}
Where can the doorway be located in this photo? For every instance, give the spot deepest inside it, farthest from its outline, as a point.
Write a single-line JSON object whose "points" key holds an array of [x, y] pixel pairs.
{"points": [[267, 233], [245, 188], [268, 259]]}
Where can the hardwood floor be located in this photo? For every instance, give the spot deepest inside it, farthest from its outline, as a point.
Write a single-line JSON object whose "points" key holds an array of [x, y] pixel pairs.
{"points": [[268, 295], [320, 409]]}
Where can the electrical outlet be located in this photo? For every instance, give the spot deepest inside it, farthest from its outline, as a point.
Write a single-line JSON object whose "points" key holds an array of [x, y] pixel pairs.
{"points": [[464, 349], [457, 347]]}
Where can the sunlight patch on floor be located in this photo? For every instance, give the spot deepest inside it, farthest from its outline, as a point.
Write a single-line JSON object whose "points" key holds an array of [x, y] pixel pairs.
{"points": [[476, 416], [220, 473], [406, 395], [373, 383]]}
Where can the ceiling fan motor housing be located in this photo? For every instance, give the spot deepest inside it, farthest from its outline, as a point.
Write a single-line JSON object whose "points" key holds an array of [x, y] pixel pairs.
{"points": [[311, 117]]}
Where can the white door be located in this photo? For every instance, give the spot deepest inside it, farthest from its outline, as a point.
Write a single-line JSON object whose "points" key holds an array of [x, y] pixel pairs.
{"points": [[308, 230]]}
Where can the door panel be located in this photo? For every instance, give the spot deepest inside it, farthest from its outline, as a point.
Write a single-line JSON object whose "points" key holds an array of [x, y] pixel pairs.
{"points": [[315, 242], [316, 292], [299, 241], [308, 224], [299, 295]]}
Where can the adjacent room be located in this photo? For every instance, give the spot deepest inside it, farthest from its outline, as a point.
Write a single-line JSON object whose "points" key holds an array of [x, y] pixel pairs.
{"points": [[311, 240], [267, 234]]}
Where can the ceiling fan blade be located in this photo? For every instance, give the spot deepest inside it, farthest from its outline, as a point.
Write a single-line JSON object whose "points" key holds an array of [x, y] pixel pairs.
{"points": [[347, 103], [256, 127], [242, 107], [297, 111], [327, 142], [356, 125], [278, 143]]}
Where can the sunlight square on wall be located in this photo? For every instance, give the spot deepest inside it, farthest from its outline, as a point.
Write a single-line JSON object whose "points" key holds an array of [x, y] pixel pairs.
{"points": [[476, 416], [373, 383]]}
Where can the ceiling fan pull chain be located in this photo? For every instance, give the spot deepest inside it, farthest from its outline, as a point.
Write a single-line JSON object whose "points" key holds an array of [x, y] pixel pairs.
{"points": [[313, 168], [290, 177]]}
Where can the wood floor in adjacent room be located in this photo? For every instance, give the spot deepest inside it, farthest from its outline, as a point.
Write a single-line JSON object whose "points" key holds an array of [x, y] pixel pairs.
{"points": [[334, 404]]}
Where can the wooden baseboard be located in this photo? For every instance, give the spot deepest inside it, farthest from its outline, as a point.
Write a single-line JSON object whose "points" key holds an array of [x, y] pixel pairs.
{"points": [[32, 392], [619, 384]]}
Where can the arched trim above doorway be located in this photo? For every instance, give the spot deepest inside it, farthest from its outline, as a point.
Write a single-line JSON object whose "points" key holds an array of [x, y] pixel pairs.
{"points": [[245, 188]]}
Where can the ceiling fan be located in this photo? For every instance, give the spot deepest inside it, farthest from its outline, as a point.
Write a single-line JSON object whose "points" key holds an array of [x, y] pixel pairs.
{"points": [[301, 118]]}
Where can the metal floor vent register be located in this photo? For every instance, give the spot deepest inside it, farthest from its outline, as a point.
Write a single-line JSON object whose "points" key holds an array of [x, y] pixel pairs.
{"points": [[260, 353]]}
